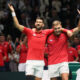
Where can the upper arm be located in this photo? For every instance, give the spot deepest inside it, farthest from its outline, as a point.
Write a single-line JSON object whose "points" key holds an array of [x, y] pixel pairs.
{"points": [[27, 31], [69, 33], [20, 27], [49, 31]]}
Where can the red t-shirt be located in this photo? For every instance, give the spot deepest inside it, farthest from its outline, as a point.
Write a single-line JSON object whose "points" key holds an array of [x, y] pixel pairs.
{"points": [[36, 43], [2, 54], [57, 46], [8, 49], [72, 54], [78, 48], [23, 53]]}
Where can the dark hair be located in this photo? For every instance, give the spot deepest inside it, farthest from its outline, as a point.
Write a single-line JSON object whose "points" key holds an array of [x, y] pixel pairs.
{"points": [[40, 18]]}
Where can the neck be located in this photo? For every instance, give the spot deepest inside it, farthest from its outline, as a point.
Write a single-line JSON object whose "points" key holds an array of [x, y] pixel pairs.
{"points": [[38, 30], [55, 34]]}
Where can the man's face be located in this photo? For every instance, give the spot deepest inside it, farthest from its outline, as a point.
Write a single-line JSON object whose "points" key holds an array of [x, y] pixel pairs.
{"points": [[39, 24], [2, 38], [57, 30]]}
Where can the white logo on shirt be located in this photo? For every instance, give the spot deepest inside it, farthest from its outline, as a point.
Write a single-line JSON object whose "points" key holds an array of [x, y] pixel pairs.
{"points": [[34, 34], [50, 40]]}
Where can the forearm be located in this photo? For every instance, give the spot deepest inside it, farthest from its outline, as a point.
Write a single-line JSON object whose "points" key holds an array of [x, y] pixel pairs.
{"points": [[68, 32], [16, 22], [79, 24]]}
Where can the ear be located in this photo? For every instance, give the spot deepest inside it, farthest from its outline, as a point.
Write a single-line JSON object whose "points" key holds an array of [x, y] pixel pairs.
{"points": [[43, 24], [35, 24]]}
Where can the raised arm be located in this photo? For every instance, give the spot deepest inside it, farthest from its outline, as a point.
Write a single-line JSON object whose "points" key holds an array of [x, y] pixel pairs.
{"points": [[78, 25], [71, 32], [16, 23]]}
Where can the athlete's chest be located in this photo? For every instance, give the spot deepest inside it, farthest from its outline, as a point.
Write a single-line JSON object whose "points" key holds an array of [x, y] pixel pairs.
{"points": [[57, 39]]}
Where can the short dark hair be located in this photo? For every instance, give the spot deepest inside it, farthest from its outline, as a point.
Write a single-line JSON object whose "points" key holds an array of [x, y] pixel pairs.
{"points": [[56, 22], [40, 18]]}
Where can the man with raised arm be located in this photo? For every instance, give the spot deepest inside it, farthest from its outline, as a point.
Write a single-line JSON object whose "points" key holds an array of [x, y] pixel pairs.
{"points": [[36, 46], [58, 51]]}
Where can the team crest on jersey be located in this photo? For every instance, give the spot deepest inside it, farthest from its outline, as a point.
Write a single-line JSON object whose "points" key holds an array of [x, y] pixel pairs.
{"points": [[34, 34], [50, 40]]}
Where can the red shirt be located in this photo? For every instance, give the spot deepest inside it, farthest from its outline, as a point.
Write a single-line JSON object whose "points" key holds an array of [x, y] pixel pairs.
{"points": [[8, 49], [72, 54], [23, 53], [36, 43], [2, 54], [78, 48], [57, 46]]}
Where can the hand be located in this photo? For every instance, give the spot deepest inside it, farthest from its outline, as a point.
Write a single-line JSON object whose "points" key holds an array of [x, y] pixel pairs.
{"points": [[33, 29], [78, 11], [69, 33], [11, 7]]}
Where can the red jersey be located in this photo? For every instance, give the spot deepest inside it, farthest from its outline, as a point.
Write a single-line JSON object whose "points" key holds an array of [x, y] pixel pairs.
{"points": [[8, 49], [72, 54], [78, 48], [2, 54], [23, 53], [57, 46], [36, 43]]}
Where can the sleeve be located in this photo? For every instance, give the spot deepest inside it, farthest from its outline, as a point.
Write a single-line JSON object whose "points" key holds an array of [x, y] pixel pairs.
{"points": [[27, 31], [65, 30], [49, 31]]}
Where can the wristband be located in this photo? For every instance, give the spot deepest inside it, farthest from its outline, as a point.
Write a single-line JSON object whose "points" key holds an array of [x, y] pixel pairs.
{"points": [[13, 14]]}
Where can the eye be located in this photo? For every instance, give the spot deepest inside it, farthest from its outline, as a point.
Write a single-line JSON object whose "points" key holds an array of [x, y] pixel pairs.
{"points": [[58, 27]]}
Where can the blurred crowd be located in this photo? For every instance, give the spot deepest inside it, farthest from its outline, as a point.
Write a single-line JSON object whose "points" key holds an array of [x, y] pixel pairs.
{"points": [[27, 11]]}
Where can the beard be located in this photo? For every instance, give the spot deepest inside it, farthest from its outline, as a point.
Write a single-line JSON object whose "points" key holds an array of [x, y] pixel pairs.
{"points": [[57, 33], [38, 28]]}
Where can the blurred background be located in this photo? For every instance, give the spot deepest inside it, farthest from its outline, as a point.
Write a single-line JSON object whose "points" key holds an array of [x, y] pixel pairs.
{"points": [[28, 10]]}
